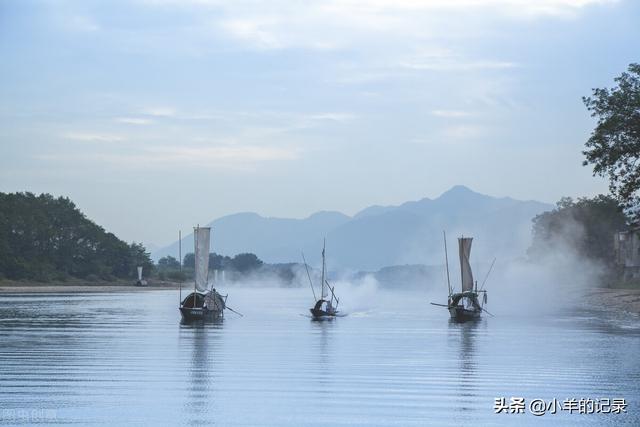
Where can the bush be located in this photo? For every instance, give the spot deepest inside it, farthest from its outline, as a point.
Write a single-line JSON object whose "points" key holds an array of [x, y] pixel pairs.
{"points": [[177, 276]]}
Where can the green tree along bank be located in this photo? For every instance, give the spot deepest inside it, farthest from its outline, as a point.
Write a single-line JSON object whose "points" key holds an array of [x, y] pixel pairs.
{"points": [[241, 263], [237, 268], [46, 238], [614, 145], [244, 267]]}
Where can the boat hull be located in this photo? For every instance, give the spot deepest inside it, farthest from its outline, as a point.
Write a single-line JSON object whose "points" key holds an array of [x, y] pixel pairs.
{"points": [[190, 314], [318, 314], [461, 314], [193, 308]]}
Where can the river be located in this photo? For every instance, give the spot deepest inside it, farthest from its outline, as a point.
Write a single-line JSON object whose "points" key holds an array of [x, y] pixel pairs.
{"points": [[125, 359]]}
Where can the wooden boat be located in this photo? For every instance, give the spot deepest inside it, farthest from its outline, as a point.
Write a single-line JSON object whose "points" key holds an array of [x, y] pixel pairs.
{"points": [[203, 306], [465, 305], [202, 303], [323, 308]]}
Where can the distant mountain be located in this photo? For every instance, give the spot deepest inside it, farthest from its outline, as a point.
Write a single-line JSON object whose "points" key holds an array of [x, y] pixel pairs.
{"points": [[412, 232], [380, 236], [274, 240]]}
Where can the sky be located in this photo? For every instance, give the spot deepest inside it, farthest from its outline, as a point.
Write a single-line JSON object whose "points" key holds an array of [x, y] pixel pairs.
{"points": [[156, 115]]}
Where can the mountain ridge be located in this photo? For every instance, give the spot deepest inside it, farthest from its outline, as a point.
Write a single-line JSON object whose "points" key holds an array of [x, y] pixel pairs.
{"points": [[379, 236]]}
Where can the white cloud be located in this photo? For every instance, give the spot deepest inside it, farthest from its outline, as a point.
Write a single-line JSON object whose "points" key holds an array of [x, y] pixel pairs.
{"points": [[458, 65], [272, 119], [219, 155], [225, 156], [450, 114], [348, 7], [134, 121], [93, 137], [160, 111], [336, 117], [257, 31], [280, 24], [463, 132]]}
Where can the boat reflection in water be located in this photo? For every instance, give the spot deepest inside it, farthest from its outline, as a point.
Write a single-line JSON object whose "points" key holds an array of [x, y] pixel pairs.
{"points": [[464, 335], [201, 402]]}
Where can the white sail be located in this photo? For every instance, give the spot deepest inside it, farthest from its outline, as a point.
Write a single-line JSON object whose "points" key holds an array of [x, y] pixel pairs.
{"points": [[464, 247], [201, 237], [139, 273]]}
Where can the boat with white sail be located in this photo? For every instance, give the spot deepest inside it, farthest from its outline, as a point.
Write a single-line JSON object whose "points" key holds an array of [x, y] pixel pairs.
{"points": [[203, 303], [140, 281], [465, 305]]}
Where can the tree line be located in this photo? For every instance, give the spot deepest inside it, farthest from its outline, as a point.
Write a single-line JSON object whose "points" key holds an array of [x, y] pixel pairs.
{"points": [[584, 227], [241, 264], [46, 238]]}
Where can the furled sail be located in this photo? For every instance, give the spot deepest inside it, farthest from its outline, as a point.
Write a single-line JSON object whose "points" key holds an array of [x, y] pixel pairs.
{"points": [[202, 235], [464, 247], [139, 273]]}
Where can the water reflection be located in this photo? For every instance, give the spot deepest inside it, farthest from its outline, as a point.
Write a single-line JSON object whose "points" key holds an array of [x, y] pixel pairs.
{"points": [[465, 335], [202, 341], [322, 349]]}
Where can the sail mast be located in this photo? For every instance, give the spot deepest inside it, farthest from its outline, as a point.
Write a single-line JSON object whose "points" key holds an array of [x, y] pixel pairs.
{"points": [[323, 266], [180, 259], [309, 276], [446, 260], [195, 273], [461, 257]]}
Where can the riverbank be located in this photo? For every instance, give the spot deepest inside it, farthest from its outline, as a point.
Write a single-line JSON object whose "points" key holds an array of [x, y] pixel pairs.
{"points": [[9, 286], [615, 299]]}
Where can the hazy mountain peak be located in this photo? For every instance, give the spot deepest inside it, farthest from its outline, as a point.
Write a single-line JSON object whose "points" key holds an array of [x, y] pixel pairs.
{"points": [[458, 191], [240, 216], [328, 214], [379, 236], [373, 210]]}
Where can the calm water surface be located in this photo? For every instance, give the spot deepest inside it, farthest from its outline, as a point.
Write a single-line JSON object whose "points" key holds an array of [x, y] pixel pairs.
{"points": [[124, 359]]}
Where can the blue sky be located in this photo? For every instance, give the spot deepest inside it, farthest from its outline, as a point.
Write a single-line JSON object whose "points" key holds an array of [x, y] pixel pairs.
{"points": [[155, 115]]}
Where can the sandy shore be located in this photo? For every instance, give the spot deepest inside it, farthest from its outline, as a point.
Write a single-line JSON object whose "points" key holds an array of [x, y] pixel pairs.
{"points": [[7, 287], [615, 299]]}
